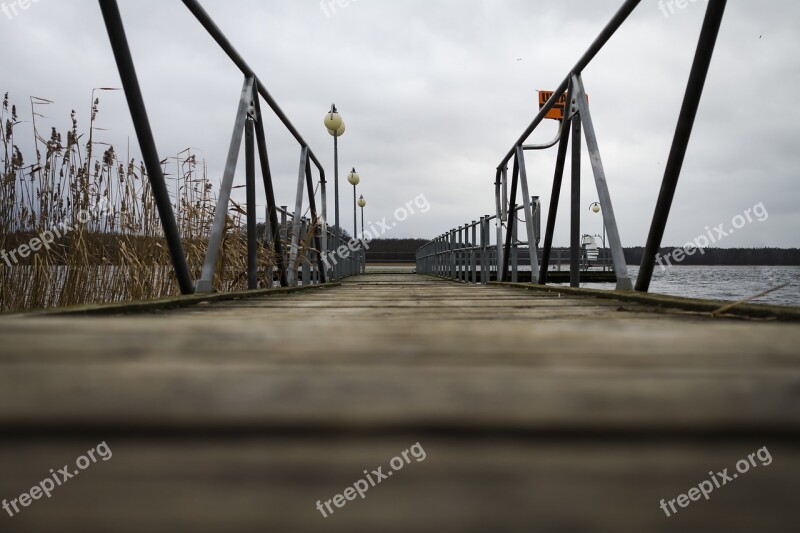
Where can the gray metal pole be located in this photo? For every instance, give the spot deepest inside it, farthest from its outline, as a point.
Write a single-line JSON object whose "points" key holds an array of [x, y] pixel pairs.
{"points": [[683, 133], [512, 220], [500, 200], [355, 213], [297, 218], [268, 236], [272, 206], [323, 229], [484, 249], [144, 134], [337, 240], [315, 222], [609, 219], [530, 226], [452, 254], [206, 283], [283, 234], [575, 225], [515, 249], [252, 235], [473, 257], [306, 266]]}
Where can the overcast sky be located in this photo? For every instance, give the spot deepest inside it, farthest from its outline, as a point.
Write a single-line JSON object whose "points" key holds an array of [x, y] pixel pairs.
{"points": [[435, 92]]}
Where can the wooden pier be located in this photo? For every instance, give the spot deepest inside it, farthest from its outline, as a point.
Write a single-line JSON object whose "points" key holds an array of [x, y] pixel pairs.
{"points": [[537, 411]]}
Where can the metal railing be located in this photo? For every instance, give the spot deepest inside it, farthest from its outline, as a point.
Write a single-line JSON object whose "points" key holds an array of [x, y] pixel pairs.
{"points": [[308, 271], [249, 126], [442, 255], [469, 254]]}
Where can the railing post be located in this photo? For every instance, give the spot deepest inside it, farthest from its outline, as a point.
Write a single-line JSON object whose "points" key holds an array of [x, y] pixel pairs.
{"points": [[514, 249], [294, 250], [530, 227], [315, 221], [246, 107], [467, 252], [500, 197], [473, 252], [306, 263], [609, 219], [555, 198], [438, 249], [575, 205], [511, 224], [484, 250], [444, 260], [680, 143], [283, 235], [252, 237], [144, 134], [463, 266], [453, 261], [323, 234], [272, 212], [458, 254], [440, 256], [269, 242]]}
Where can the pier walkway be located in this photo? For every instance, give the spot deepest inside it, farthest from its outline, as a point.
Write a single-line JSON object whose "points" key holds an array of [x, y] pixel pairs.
{"points": [[536, 411]]}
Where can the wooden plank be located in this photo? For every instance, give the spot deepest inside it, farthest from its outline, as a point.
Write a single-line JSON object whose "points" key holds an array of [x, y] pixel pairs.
{"points": [[461, 487]]}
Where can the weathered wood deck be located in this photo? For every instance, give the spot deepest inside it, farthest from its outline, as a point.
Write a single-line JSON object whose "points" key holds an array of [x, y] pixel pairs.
{"points": [[537, 412]]}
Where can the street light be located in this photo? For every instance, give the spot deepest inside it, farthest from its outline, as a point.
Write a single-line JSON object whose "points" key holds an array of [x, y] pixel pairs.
{"points": [[362, 204], [596, 208], [335, 124], [354, 180], [333, 121]]}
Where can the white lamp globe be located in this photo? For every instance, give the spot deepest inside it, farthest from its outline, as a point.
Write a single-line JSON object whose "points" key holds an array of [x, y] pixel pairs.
{"points": [[596, 208], [362, 203], [333, 121], [339, 132], [354, 178]]}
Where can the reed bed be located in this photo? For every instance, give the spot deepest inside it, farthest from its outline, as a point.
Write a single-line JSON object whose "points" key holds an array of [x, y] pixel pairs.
{"points": [[115, 250]]}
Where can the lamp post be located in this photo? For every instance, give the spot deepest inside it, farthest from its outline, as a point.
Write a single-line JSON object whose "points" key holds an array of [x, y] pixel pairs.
{"points": [[362, 204], [335, 125], [595, 208], [354, 180]]}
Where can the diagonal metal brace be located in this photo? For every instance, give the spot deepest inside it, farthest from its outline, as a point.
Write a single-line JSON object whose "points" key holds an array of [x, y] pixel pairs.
{"points": [[246, 107], [615, 243], [528, 208]]}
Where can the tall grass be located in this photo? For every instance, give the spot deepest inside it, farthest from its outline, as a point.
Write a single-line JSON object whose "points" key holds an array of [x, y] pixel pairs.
{"points": [[119, 254]]}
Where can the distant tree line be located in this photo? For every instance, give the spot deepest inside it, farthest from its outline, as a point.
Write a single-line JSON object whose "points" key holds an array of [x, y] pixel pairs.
{"points": [[404, 250], [727, 256], [394, 250]]}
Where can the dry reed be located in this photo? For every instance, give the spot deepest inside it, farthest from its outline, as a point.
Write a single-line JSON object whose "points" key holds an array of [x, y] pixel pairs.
{"points": [[119, 254]]}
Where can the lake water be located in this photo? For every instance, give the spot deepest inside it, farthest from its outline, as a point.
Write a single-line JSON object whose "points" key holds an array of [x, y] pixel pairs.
{"points": [[724, 283]]}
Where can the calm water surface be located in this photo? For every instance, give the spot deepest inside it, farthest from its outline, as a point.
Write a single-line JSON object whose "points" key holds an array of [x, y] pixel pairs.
{"points": [[724, 283]]}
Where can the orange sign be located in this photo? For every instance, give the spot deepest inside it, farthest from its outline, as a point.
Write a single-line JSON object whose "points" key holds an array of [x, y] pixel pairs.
{"points": [[557, 112]]}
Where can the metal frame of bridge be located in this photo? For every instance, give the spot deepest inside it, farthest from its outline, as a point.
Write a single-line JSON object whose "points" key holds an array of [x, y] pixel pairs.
{"points": [[454, 254], [249, 124]]}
